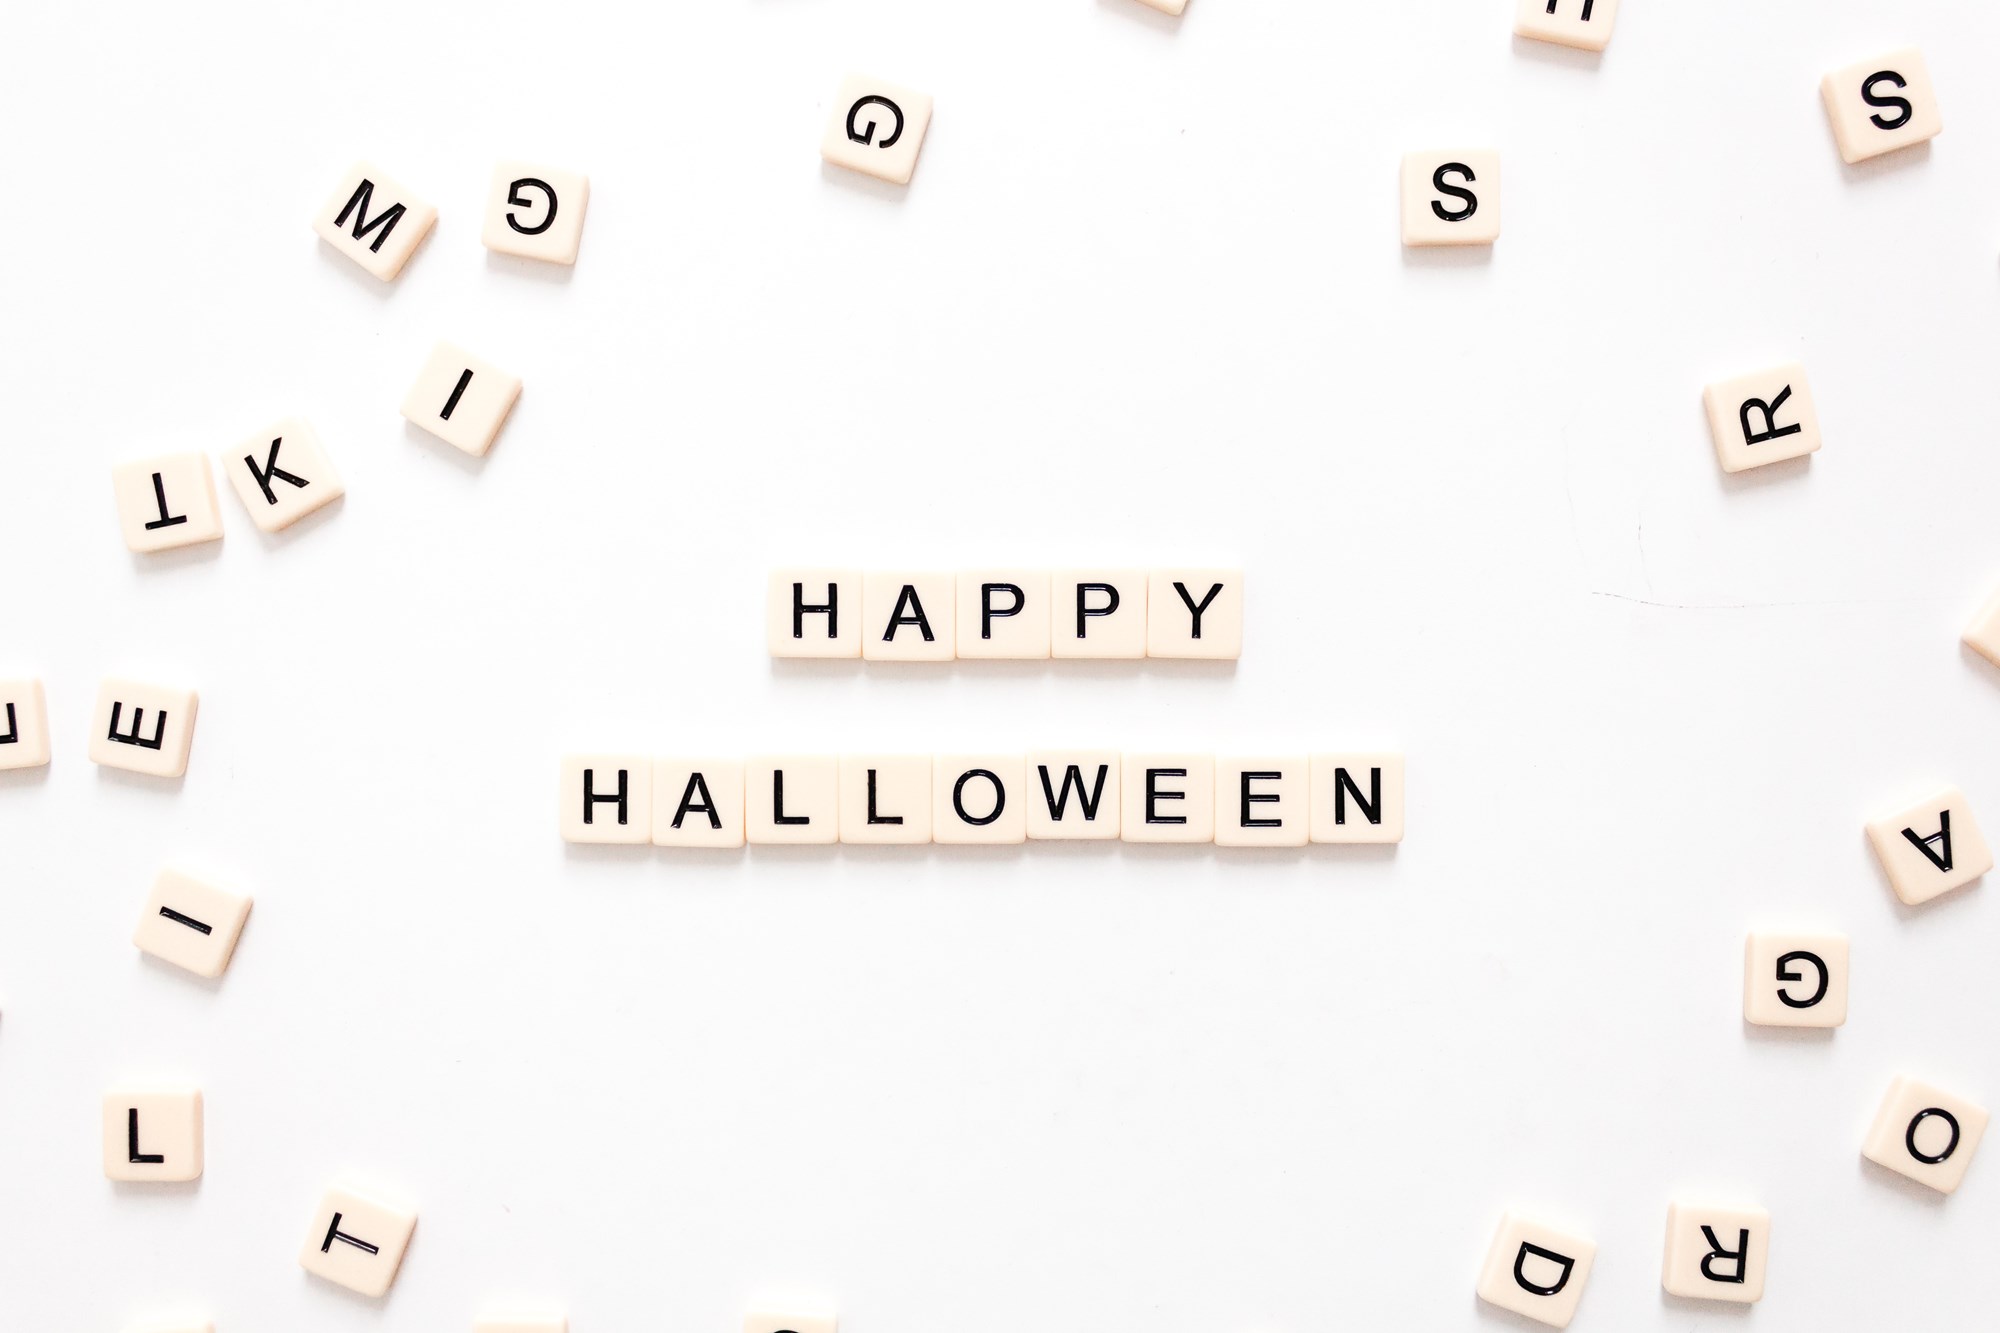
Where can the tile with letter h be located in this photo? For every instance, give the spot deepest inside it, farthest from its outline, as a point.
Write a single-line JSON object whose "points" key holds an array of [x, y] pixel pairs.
{"points": [[1926, 1134], [876, 128], [1536, 1270], [167, 503], [1451, 197], [24, 725], [1762, 418], [1583, 24], [191, 924], [374, 221], [1930, 848], [143, 728], [152, 1134], [607, 798], [357, 1241], [536, 212], [1881, 105], [461, 399], [1716, 1252], [282, 474]]}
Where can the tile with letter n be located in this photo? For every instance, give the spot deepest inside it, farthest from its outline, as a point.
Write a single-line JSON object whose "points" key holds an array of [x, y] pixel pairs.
{"points": [[374, 221], [357, 1240], [536, 212], [191, 924], [24, 724], [876, 128], [607, 798], [1536, 1270], [1926, 1134], [166, 503], [152, 1134], [143, 728], [1583, 24], [1357, 798], [1763, 417], [1716, 1252], [461, 399], [282, 474], [1931, 847]]}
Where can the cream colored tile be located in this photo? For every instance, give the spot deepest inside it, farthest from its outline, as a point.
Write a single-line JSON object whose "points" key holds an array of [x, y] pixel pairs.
{"points": [[1357, 798], [1881, 105], [1451, 197], [166, 503], [554, 1323], [791, 800], [607, 798], [813, 613], [1072, 795], [978, 798], [374, 221], [536, 212], [1983, 634], [1196, 613], [876, 128], [1003, 613], [1764, 417], [1793, 980], [1931, 847], [24, 724], [908, 617], [282, 474], [697, 802], [1926, 1134], [885, 799], [1263, 801], [461, 399], [1583, 24], [191, 924], [357, 1240], [1716, 1252], [1536, 1270], [1167, 798], [143, 728], [152, 1134], [1097, 613], [769, 1319]]}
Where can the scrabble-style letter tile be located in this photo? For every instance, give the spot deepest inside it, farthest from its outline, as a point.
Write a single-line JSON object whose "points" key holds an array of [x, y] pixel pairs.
{"points": [[1357, 798], [1262, 802], [167, 502], [554, 1323], [152, 1134], [142, 728], [1097, 613], [536, 212], [1766, 417], [908, 617], [1982, 635], [1716, 1253], [1584, 24], [282, 475], [697, 802], [461, 399], [1194, 613], [1932, 847], [607, 798], [813, 613], [1795, 981], [876, 128], [358, 1241], [1881, 105], [1451, 197], [191, 924], [24, 724], [1003, 613], [1536, 1270], [791, 800], [374, 221], [1167, 798], [770, 1320], [1072, 794], [1925, 1134], [977, 798], [885, 798]]}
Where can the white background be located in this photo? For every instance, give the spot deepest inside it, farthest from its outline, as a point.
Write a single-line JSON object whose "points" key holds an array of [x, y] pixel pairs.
{"points": [[1144, 303]]}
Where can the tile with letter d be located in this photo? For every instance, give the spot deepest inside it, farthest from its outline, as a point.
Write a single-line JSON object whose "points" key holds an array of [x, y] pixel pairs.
{"points": [[1764, 417], [24, 724], [1583, 24], [536, 212], [876, 128], [977, 799], [357, 1240], [166, 503], [607, 798], [1931, 847], [152, 1134], [697, 802], [374, 221], [1716, 1252], [1795, 980], [282, 474], [1536, 1270], [143, 728], [1451, 197], [1262, 802], [1881, 105], [461, 399], [1926, 1134], [191, 924]]}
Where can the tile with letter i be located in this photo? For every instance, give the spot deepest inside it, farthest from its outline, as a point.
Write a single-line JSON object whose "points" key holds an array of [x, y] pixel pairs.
{"points": [[1536, 1270], [1930, 848], [876, 128], [536, 212], [374, 221], [1926, 1134], [461, 399], [607, 798], [24, 725], [152, 1134], [1583, 24], [1716, 1252], [357, 1241], [282, 474], [1451, 197], [1881, 105], [165, 503], [1764, 417], [143, 728], [191, 924]]}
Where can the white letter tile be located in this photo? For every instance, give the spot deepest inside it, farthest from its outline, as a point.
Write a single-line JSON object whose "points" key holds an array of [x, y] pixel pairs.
{"points": [[1764, 417], [908, 617], [1932, 847], [1451, 197], [282, 474], [813, 613], [697, 802], [1072, 794], [1881, 105], [1097, 613], [1168, 798], [374, 221], [1357, 798], [1536, 1270], [1195, 613], [1003, 613], [791, 800], [191, 924], [165, 503], [1925, 1134], [1262, 802], [1795, 980], [607, 798], [876, 128], [885, 799], [536, 212], [143, 728], [1716, 1253], [152, 1134], [461, 399], [357, 1241], [977, 798]]}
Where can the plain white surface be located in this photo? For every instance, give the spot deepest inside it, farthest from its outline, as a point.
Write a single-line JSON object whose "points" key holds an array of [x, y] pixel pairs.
{"points": [[1143, 303]]}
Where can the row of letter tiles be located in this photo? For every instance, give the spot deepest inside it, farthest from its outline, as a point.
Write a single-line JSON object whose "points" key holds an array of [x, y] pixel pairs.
{"points": [[1012, 614], [191, 924], [533, 212], [985, 799]]}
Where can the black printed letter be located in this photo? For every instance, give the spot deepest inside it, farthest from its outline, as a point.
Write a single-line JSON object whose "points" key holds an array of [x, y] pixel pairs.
{"points": [[1772, 430], [591, 800], [1940, 855], [697, 786], [914, 616], [874, 818], [271, 469], [830, 609], [357, 204], [1058, 803], [1455, 191], [515, 198], [1716, 1251], [138, 726], [165, 520], [132, 1140], [1250, 796], [778, 815], [1785, 973], [1951, 1144], [1155, 795], [1563, 1261], [988, 614], [958, 796], [1193, 609], [1084, 610], [1903, 108]]}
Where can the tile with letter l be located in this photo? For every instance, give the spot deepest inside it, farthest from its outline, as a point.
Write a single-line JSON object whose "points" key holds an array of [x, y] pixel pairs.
{"points": [[152, 1134], [357, 1240], [1931, 847], [1763, 417], [1583, 24], [1536, 1270], [461, 399], [536, 212], [374, 221], [1262, 802], [1881, 105], [876, 128], [143, 728], [791, 800], [813, 613], [1167, 798], [1451, 197], [607, 798], [1072, 795], [1716, 1252], [191, 924], [166, 503], [1357, 798], [1793, 980], [697, 802], [282, 474], [24, 724], [1194, 613], [977, 798], [1926, 1134], [885, 799]]}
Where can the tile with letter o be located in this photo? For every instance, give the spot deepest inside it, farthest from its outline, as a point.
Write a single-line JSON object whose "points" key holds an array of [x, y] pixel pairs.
{"points": [[1926, 1134], [977, 798]]}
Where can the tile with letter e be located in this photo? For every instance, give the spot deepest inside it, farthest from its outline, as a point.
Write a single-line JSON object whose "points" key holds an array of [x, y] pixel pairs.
{"points": [[1793, 980], [374, 221], [1451, 197], [909, 617], [357, 1240], [607, 798], [1357, 798], [1926, 1134], [885, 799], [1881, 105], [24, 724], [152, 1134], [169, 502], [768, 1319], [536, 212], [1072, 795], [876, 128], [813, 613], [791, 800], [143, 728], [1194, 613], [1764, 417], [1097, 613], [697, 802], [1931, 847], [191, 924], [1583, 24], [1715, 1252], [282, 474], [461, 399], [1167, 798], [1003, 613], [1262, 802], [976, 798], [1536, 1270]]}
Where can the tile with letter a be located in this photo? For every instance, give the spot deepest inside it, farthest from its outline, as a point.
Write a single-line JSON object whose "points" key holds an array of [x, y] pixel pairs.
{"points": [[169, 502], [1262, 802], [1716, 1252], [191, 924], [1536, 1270], [152, 1134], [461, 399], [607, 798], [536, 212], [1072, 795], [813, 613], [885, 799], [908, 617], [876, 128], [1926, 1134], [1793, 980], [1451, 197], [1583, 24], [1932, 847], [1881, 105], [357, 1241], [976, 798], [1357, 798], [791, 800], [1760, 418], [697, 802], [1167, 798], [24, 724], [1194, 613], [768, 1319], [143, 728], [1097, 613], [374, 221], [282, 475]]}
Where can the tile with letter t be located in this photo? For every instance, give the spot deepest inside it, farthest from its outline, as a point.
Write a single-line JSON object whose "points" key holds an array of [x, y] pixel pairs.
{"points": [[1451, 197], [876, 128], [1262, 802], [976, 798], [791, 800], [813, 613], [1795, 981], [1881, 105], [1583, 24], [357, 1241], [1764, 417], [1357, 798], [143, 728], [1097, 613], [152, 1134], [1930, 848], [607, 798], [24, 724], [885, 799], [374, 221], [1715, 1252], [768, 1319], [1167, 798], [1003, 614], [282, 474], [1194, 613], [908, 617], [1925, 1134], [1536, 1270], [461, 399], [697, 803], [191, 924], [165, 503], [536, 212], [1072, 795]]}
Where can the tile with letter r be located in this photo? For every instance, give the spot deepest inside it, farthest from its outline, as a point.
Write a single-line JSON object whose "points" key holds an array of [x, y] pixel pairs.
{"points": [[191, 924], [357, 1240], [1583, 24], [1795, 980], [876, 128], [1881, 105], [152, 1134], [282, 474], [1451, 197], [374, 221], [143, 728], [24, 724], [1536, 1270], [1931, 847], [607, 798], [1926, 1134], [166, 503], [536, 212], [1716, 1252], [1763, 417], [461, 399]]}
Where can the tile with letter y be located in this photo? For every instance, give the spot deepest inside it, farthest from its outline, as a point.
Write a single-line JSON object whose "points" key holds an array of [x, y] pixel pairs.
{"points": [[152, 1134], [461, 399], [1931, 847], [607, 798], [1763, 417], [357, 1240], [24, 724], [1194, 613], [374, 221], [143, 728], [191, 924], [1536, 1270], [282, 474], [166, 503]]}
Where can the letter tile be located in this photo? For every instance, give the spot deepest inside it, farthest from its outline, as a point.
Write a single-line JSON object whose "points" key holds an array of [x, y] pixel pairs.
{"points": [[1925, 1134], [24, 724], [876, 128], [461, 399], [769, 1320], [1003, 613], [1072, 794], [1262, 802], [1167, 798], [885, 798], [1097, 613], [536, 212], [908, 617], [191, 924], [1451, 197], [1716, 1253], [1357, 798], [607, 798], [1932, 847], [357, 1241], [791, 800], [374, 221], [1982, 635], [1765, 417], [521, 1324], [152, 1134], [282, 475], [1792, 980], [1583, 24], [1194, 613], [813, 613], [977, 798], [1881, 105], [697, 802], [143, 728], [1536, 1270], [167, 502]]}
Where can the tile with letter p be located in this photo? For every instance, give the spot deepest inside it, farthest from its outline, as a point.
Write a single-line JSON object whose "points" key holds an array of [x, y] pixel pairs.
{"points": [[1536, 1270], [143, 728], [357, 1240], [191, 924], [461, 399], [1097, 613], [1003, 614]]}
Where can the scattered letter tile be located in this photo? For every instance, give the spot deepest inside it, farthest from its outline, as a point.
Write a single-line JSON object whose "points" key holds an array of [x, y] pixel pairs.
{"points": [[1716, 1253], [607, 798], [1003, 613], [1584, 24], [885, 799], [1795, 981], [357, 1241], [908, 617], [1881, 105], [1194, 613], [152, 1134], [876, 128], [1357, 798], [374, 221], [791, 800], [1927, 1135], [1262, 802], [1766, 417], [142, 728], [168, 502], [1097, 613], [1931, 848], [977, 799], [768, 1320], [1451, 198], [1982, 635], [282, 475], [536, 212], [191, 924], [24, 724], [697, 803], [813, 613], [1167, 798], [461, 399], [1536, 1270], [1072, 794]]}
